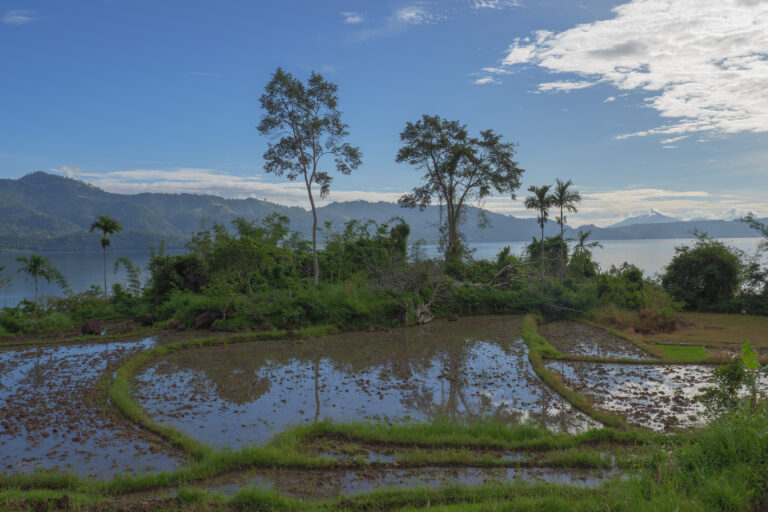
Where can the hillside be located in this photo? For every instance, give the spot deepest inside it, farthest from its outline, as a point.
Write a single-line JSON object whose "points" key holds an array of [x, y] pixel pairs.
{"points": [[46, 212]]}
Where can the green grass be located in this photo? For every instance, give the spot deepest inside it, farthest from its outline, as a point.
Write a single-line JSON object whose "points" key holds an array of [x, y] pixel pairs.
{"points": [[539, 349], [687, 353]]}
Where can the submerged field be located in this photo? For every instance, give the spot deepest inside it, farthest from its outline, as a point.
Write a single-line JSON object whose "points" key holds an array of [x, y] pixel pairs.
{"points": [[493, 410]]}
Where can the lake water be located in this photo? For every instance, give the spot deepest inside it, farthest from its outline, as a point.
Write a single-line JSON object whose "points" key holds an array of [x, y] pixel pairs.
{"points": [[84, 269]]}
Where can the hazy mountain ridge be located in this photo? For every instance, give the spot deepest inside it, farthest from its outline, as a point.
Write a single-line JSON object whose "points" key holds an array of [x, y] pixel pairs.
{"points": [[49, 212]]}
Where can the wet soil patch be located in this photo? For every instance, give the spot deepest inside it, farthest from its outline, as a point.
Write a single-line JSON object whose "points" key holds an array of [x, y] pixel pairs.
{"points": [[320, 484], [574, 338], [53, 417], [659, 397], [233, 395]]}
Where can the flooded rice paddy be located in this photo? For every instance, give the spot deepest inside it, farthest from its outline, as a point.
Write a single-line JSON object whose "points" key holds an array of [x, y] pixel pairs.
{"points": [[231, 395], [235, 395], [579, 339], [53, 417], [659, 397]]}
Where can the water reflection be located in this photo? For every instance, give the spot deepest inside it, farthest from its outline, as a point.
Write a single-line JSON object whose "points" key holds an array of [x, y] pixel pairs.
{"points": [[240, 394], [51, 417]]}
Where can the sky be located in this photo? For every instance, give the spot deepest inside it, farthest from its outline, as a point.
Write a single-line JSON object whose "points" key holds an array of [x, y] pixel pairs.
{"points": [[644, 104]]}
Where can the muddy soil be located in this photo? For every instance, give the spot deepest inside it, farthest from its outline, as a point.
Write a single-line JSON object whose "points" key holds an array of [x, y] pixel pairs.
{"points": [[579, 339], [319, 484], [234, 395], [53, 416], [659, 397]]}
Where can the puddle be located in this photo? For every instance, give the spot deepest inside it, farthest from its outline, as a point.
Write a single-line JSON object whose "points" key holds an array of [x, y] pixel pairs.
{"points": [[659, 397], [579, 339], [51, 417], [234, 395], [319, 484]]}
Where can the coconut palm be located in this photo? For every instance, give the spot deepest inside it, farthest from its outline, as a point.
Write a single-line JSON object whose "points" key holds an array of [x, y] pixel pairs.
{"points": [[108, 226], [566, 199], [582, 246], [39, 267], [541, 201]]}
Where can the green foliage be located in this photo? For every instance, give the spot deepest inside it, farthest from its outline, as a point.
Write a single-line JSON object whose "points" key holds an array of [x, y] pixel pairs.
{"points": [[684, 352], [706, 277], [133, 274], [456, 169]]}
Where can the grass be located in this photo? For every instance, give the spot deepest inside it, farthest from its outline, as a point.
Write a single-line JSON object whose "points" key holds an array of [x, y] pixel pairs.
{"points": [[684, 352], [539, 349], [717, 330]]}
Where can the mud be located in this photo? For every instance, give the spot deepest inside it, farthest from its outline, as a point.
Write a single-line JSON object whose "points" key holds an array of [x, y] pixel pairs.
{"points": [[659, 397], [53, 416], [233, 395], [319, 484], [574, 338]]}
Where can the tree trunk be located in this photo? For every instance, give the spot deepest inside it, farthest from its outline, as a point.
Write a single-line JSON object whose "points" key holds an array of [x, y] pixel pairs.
{"points": [[562, 243], [37, 301], [542, 257], [314, 235], [105, 273]]}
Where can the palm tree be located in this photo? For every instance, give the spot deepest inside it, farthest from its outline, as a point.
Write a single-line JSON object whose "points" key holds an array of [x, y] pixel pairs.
{"points": [[541, 201], [565, 199], [108, 226], [37, 267], [582, 246]]}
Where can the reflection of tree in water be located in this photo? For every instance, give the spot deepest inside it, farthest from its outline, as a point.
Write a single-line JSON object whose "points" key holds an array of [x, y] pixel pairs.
{"points": [[404, 361]]}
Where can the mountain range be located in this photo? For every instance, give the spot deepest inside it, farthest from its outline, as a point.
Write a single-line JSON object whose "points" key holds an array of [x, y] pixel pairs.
{"points": [[46, 212]]}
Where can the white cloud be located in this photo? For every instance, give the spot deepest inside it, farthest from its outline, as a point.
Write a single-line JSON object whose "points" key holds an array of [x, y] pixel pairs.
{"points": [[69, 172], [564, 86], [702, 63], [486, 80], [19, 17], [609, 99], [352, 18], [494, 4], [212, 181], [417, 15]]}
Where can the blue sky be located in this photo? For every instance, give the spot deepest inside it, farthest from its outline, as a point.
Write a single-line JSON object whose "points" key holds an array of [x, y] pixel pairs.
{"points": [[643, 103]]}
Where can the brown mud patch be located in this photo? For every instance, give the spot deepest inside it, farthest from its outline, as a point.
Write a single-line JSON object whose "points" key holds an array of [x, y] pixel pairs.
{"points": [[574, 338]]}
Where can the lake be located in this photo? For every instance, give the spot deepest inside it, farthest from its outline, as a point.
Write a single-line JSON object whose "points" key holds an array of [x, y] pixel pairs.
{"points": [[84, 269]]}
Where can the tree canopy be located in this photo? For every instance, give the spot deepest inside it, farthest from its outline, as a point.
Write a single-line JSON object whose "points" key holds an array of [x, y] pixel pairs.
{"points": [[457, 169], [305, 125]]}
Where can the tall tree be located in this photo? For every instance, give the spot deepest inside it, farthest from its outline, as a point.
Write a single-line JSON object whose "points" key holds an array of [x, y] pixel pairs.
{"points": [[38, 267], [457, 169], [305, 125], [108, 226], [541, 201], [566, 199], [584, 247]]}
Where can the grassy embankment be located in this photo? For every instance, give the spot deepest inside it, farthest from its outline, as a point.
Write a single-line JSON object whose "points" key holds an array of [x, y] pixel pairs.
{"points": [[721, 468]]}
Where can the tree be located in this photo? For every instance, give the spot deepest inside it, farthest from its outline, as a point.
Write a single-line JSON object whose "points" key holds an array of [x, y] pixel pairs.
{"points": [[705, 276], [108, 226], [457, 169], [541, 201], [566, 199], [759, 227], [40, 267], [584, 247], [307, 123]]}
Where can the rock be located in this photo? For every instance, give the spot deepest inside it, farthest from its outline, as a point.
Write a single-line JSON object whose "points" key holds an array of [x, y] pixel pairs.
{"points": [[453, 318], [265, 326], [172, 325], [340, 325], [91, 327], [204, 320], [289, 326], [145, 320], [181, 327], [371, 329]]}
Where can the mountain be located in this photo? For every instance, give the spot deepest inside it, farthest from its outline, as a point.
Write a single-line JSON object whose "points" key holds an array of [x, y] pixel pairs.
{"points": [[652, 217], [45, 212]]}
